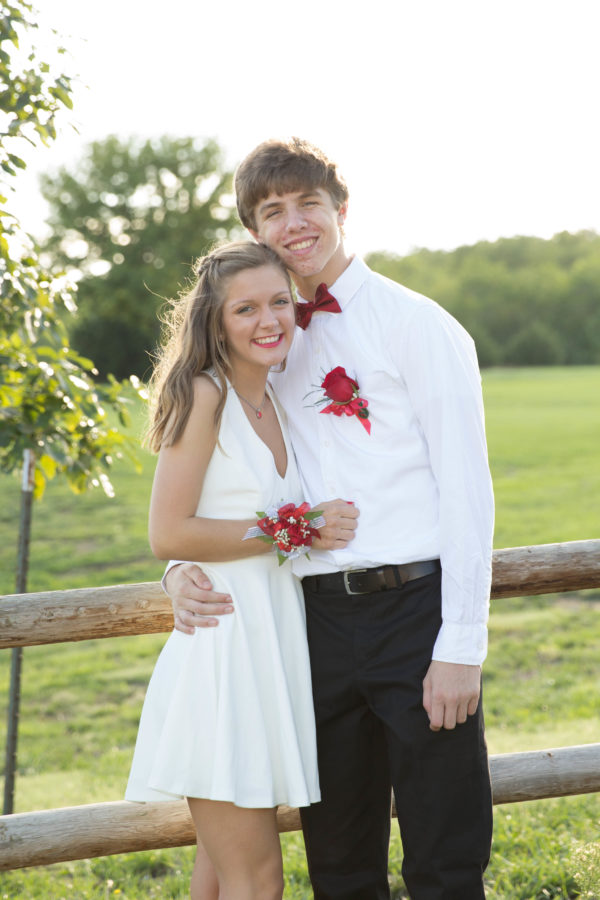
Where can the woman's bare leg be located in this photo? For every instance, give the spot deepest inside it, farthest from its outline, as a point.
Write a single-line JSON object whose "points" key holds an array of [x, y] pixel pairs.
{"points": [[243, 847], [204, 884]]}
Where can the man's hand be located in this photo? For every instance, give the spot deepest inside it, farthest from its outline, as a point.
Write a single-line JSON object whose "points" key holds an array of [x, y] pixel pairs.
{"points": [[195, 604], [450, 693], [341, 519]]}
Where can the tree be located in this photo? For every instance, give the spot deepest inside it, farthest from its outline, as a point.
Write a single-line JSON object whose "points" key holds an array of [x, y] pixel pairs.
{"points": [[534, 345], [583, 343], [131, 220], [488, 352], [48, 401], [52, 417]]}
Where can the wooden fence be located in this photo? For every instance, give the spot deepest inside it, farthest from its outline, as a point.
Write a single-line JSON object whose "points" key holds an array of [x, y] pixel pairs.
{"points": [[102, 829]]}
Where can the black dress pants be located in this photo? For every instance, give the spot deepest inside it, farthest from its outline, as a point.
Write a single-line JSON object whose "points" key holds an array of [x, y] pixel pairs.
{"points": [[369, 654]]}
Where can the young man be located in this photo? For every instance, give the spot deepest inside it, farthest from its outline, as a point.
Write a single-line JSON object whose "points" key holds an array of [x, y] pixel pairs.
{"points": [[396, 637]]}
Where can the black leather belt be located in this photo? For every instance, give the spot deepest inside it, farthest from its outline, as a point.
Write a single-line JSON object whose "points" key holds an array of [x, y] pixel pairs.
{"points": [[368, 581]]}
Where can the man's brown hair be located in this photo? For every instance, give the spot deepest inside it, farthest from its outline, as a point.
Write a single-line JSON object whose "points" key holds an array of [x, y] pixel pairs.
{"points": [[279, 166]]}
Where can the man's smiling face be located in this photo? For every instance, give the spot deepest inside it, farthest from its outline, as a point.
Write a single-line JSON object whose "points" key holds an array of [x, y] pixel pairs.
{"points": [[304, 228]]}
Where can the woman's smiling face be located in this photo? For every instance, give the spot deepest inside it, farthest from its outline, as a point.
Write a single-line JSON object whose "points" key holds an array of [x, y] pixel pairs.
{"points": [[258, 318]]}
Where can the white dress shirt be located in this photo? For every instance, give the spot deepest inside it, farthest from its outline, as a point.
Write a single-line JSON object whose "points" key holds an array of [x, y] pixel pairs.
{"points": [[420, 479]]}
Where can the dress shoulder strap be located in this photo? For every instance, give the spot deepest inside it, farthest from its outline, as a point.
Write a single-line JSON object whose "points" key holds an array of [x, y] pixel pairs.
{"points": [[210, 373]]}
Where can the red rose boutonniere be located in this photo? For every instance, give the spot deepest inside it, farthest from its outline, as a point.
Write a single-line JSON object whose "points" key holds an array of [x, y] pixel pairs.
{"points": [[344, 394], [291, 529]]}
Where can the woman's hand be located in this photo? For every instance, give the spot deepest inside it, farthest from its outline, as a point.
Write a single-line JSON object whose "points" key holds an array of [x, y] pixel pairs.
{"points": [[341, 519]]}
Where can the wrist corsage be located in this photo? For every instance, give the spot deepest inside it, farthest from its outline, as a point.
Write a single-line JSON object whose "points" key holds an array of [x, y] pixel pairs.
{"points": [[291, 529]]}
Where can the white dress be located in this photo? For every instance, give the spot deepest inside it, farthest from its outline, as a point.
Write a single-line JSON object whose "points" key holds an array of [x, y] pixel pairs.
{"points": [[228, 714]]}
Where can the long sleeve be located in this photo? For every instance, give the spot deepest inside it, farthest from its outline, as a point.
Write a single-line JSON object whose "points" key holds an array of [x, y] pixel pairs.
{"points": [[439, 364]]}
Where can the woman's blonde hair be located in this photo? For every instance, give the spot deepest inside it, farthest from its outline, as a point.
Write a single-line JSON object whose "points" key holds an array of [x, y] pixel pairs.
{"points": [[194, 339]]}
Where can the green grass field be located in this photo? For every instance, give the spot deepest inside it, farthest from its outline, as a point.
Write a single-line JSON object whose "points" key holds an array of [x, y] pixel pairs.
{"points": [[81, 702]]}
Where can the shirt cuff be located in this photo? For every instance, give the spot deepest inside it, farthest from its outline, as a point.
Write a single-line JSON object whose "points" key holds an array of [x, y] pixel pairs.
{"points": [[462, 644]]}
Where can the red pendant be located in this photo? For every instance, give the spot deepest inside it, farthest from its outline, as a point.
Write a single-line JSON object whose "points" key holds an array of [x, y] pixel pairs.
{"points": [[258, 414]]}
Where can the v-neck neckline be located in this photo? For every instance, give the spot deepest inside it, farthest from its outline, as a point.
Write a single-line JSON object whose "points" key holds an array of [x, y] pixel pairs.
{"points": [[273, 400]]}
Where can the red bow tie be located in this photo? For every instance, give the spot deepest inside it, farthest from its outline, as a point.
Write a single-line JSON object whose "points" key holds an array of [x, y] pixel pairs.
{"points": [[323, 301]]}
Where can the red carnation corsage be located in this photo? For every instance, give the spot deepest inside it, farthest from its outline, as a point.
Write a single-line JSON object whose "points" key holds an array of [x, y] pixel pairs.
{"points": [[345, 399], [291, 529]]}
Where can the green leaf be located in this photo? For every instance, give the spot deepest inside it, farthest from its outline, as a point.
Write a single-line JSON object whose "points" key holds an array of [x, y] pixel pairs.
{"points": [[63, 96], [39, 484], [17, 161], [48, 466]]}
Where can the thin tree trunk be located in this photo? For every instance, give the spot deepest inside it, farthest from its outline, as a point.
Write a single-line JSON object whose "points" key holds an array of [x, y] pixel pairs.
{"points": [[12, 725]]}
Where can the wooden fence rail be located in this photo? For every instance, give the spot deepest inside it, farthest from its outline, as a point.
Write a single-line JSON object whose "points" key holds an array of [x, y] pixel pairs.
{"points": [[103, 829], [77, 615]]}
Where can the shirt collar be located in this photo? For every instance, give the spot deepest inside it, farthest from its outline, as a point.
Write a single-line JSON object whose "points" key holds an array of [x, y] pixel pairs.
{"points": [[351, 279]]}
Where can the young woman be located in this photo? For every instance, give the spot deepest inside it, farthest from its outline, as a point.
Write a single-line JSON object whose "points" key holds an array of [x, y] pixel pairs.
{"points": [[228, 718]]}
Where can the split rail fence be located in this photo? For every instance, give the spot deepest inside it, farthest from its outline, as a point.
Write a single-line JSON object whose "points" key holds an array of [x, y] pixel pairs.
{"points": [[102, 829]]}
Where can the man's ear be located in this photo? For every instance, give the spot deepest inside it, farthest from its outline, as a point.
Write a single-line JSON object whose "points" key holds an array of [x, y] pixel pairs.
{"points": [[343, 212]]}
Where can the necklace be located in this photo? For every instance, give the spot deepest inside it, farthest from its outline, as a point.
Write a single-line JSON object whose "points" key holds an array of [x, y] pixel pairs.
{"points": [[257, 409]]}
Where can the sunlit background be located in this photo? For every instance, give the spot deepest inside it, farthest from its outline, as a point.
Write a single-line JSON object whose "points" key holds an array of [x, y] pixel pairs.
{"points": [[452, 122]]}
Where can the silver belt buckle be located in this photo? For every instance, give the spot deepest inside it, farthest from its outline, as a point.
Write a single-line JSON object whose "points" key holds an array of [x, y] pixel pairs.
{"points": [[346, 584]]}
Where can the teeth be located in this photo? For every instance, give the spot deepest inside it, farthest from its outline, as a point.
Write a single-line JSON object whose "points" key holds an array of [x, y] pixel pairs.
{"points": [[268, 340], [302, 245]]}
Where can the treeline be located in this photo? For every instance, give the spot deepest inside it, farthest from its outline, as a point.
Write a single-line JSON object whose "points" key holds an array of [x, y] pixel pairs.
{"points": [[524, 300]]}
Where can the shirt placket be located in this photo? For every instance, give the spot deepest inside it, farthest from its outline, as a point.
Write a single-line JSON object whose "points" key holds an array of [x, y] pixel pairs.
{"points": [[325, 422]]}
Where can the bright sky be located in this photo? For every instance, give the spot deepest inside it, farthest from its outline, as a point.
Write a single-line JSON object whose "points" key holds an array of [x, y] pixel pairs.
{"points": [[452, 120]]}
